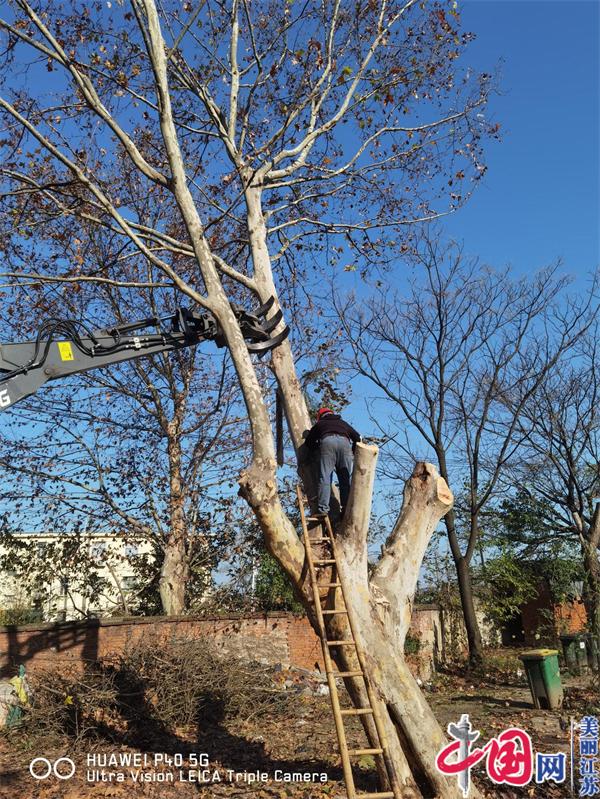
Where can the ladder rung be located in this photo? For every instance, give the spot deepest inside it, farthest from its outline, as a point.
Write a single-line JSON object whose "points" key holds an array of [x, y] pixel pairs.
{"points": [[323, 562], [333, 612], [365, 751], [347, 642], [357, 711], [379, 795], [347, 674], [329, 585], [319, 540]]}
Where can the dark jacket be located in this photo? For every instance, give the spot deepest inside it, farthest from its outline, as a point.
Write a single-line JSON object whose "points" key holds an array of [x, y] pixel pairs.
{"points": [[330, 425]]}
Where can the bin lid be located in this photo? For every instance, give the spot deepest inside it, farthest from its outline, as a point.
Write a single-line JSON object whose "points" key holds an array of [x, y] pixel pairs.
{"points": [[538, 654]]}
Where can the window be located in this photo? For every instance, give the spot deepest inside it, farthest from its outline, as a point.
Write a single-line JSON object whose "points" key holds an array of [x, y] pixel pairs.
{"points": [[128, 582], [98, 551], [41, 548], [64, 586], [131, 550]]}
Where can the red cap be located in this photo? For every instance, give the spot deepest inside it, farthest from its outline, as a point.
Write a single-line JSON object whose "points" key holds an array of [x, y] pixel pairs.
{"points": [[322, 411]]}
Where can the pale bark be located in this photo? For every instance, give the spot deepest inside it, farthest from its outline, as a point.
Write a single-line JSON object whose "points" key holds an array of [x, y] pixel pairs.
{"points": [[174, 573], [384, 615], [294, 403], [282, 359], [382, 609]]}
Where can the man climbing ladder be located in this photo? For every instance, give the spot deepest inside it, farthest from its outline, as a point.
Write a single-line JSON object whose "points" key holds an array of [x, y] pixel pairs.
{"points": [[325, 566], [332, 440]]}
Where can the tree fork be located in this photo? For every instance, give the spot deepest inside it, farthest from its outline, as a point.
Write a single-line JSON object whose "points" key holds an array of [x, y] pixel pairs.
{"points": [[382, 606], [384, 618]]}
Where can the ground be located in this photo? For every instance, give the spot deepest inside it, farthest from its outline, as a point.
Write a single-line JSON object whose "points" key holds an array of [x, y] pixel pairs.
{"points": [[257, 758]]}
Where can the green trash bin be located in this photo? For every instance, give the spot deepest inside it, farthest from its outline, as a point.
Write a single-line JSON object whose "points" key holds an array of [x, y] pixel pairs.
{"points": [[575, 652], [543, 676]]}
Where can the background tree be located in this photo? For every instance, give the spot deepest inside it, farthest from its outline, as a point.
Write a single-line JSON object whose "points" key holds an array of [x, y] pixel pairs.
{"points": [[561, 460], [51, 575], [261, 130], [444, 357], [522, 551], [140, 449]]}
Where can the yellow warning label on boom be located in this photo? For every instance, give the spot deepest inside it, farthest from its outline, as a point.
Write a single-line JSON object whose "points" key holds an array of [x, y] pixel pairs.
{"points": [[65, 350]]}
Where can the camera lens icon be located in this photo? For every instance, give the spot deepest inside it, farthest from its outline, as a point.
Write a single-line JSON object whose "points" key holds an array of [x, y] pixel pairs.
{"points": [[41, 768]]}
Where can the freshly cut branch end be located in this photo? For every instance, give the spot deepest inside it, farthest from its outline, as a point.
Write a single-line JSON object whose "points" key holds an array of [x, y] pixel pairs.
{"points": [[426, 471]]}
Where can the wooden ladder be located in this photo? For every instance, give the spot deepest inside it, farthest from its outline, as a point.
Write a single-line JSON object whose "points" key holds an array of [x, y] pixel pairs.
{"points": [[372, 708]]}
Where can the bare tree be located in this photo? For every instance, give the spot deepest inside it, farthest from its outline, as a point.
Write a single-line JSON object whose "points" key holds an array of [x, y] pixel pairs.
{"points": [[139, 449], [560, 462], [445, 357], [264, 131]]}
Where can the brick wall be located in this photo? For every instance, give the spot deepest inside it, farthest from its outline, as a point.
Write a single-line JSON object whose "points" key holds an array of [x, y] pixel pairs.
{"points": [[304, 646], [543, 620], [284, 638], [570, 617]]}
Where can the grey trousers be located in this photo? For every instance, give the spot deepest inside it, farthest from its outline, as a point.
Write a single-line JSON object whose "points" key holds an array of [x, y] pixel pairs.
{"points": [[335, 454]]}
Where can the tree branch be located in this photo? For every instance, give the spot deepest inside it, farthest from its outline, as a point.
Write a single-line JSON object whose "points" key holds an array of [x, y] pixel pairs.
{"points": [[89, 92], [427, 499]]}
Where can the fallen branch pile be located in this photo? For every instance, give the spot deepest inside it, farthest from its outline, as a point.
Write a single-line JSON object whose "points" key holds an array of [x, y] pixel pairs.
{"points": [[154, 689]]}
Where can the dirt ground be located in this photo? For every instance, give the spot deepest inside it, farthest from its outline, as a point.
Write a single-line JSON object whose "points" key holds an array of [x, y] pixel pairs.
{"points": [[293, 757]]}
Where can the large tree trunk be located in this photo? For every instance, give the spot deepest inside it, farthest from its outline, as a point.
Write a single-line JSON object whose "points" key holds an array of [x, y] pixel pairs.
{"points": [[382, 606], [174, 573]]}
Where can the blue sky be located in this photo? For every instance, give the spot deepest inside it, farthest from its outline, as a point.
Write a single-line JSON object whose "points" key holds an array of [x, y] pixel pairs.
{"points": [[540, 197]]}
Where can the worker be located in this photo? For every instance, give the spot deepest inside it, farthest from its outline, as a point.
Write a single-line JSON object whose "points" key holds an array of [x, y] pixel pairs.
{"points": [[334, 441]]}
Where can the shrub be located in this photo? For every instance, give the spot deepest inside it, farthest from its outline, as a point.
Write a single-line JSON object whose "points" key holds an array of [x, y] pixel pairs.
{"points": [[412, 644]]}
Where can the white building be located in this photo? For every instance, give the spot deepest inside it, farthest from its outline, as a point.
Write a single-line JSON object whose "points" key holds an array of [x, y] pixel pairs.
{"points": [[59, 577]]}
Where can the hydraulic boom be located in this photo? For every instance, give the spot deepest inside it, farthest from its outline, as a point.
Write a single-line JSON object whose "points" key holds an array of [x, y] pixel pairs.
{"points": [[64, 347]]}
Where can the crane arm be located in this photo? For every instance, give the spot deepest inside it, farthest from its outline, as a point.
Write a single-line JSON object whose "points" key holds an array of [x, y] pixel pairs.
{"points": [[64, 347]]}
